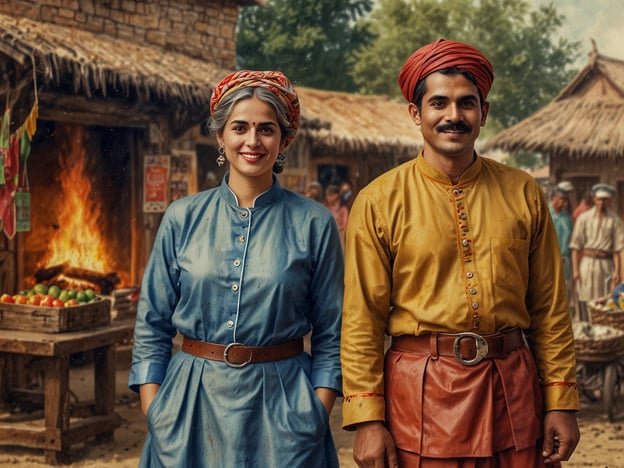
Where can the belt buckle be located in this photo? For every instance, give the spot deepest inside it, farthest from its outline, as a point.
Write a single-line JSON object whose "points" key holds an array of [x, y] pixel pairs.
{"points": [[480, 342], [234, 364]]}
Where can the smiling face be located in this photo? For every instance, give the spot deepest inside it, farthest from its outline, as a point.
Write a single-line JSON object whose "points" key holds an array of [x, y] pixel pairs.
{"points": [[450, 118], [252, 140]]}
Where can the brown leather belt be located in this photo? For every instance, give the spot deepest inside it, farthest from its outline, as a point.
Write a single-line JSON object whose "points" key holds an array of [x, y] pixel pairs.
{"points": [[468, 348], [595, 253], [239, 355]]}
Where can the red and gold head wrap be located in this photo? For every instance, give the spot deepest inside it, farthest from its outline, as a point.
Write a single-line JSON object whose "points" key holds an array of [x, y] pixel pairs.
{"points": [[444, 54], [274, 81]]}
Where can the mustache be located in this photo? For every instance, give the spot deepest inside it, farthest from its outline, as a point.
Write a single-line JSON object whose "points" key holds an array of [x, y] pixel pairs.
{"points": [[459, 126]]}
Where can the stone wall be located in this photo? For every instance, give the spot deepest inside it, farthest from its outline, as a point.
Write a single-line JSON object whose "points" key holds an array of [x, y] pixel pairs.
{"points": [[203, 29]]}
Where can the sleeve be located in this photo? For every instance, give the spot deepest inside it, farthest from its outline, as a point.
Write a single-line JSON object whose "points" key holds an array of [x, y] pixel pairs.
{"points": [[326, 293], [365, 312], [154, 331], [550, 335]]}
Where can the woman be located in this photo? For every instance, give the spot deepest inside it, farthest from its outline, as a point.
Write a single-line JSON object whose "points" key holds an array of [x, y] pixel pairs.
{"points": [[243, 272]]}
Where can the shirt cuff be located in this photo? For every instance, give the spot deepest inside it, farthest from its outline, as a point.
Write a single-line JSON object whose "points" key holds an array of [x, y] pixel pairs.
{"points": [[362, 407], [327, 378], [145, 372], [561, 396]]}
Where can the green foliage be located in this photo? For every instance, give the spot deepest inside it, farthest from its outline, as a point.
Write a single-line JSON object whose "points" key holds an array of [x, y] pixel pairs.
{"points": [[309, 40], [525, 160], [530, 65]]}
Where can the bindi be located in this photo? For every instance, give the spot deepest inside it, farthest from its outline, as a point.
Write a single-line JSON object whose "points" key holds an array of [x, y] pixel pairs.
{"points": [[253, 124]]}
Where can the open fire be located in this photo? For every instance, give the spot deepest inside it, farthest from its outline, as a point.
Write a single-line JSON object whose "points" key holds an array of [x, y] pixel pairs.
{"points": [[73, 235]]}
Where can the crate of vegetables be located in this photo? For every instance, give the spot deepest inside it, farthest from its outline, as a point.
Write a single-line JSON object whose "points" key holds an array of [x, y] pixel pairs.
{"points": [[50, 309]]}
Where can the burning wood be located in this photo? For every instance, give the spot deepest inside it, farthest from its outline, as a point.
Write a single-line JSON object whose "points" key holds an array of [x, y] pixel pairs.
{"points": [[63, 274]]}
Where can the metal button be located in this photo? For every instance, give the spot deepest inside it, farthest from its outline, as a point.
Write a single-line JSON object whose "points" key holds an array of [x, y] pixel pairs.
{"points": [[457, 192], [235, 287], [241, 239], [463, 216], [237, 262], [469, 274], [244, 214], [475, 305], [230, 323], [473, 291], [465, 242]]}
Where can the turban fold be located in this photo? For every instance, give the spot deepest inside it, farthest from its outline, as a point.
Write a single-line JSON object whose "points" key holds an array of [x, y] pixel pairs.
{"points": [[444, 54], [274, 81]]}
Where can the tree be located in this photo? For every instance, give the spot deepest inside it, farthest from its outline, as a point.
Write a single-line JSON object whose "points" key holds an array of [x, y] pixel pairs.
{"points": [[309, 40], [530, 66]]}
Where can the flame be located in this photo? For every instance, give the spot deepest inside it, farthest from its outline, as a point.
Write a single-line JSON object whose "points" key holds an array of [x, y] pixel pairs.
{"points": [[78, 241]]}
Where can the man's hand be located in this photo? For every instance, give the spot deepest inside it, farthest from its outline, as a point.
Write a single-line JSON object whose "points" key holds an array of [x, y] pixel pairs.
{"points": [[561, 436], [374, 446]]}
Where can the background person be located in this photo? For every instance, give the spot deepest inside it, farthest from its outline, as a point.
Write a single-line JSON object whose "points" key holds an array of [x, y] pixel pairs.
{"points": [[596, 244], [341, 213], [346, 194], [243, 271], [445, 253], [559, 212], [587, 201], [315, 191]]}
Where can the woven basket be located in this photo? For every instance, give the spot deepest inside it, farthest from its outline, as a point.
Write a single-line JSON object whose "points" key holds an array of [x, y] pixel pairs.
{"points": [[601, 315], [597, 342]]}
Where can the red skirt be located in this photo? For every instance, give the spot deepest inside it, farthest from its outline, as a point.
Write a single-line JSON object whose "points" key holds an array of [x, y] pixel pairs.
{"points": [[439, 408]]}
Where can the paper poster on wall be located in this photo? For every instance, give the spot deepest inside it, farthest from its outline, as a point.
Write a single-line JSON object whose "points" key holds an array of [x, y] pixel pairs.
{"points": [[183, 173], [156, 183]]}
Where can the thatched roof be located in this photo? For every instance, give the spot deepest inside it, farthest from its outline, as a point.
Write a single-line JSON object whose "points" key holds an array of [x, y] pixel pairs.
{"points": [[586, 119], [100, 65], [356, 123]]}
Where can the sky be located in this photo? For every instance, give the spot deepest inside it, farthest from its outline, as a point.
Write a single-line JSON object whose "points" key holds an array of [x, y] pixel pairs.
{"points": [[602, 20]]}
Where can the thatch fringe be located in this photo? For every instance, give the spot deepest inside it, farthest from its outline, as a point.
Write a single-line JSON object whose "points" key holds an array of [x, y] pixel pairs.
{"points": [[99, 64]]}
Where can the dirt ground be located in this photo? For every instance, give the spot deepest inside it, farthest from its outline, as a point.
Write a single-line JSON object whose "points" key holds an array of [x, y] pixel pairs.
{"points": [[602, 442]]}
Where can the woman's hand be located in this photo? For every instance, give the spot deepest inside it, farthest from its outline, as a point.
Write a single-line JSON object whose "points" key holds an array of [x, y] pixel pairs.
{"points": [[327, 397], [147, 393]]}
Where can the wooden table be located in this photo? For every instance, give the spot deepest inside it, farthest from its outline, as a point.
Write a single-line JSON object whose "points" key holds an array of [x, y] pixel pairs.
{"points": [[64, 423]]}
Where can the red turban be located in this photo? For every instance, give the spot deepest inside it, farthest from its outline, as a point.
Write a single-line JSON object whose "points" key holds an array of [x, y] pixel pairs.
{"points": [[274, 81], [443, 54]]}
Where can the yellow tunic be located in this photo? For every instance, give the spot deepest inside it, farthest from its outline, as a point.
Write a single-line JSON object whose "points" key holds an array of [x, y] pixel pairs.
{"points": [[424, 255]]}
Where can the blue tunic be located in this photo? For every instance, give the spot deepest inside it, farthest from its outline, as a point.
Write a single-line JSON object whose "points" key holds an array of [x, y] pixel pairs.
{"points": [[259, 276]]}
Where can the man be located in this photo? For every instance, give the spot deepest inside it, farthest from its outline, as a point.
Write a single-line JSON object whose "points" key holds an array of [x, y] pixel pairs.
{"points": [[559, 211], [597, 240], [454, 256]]}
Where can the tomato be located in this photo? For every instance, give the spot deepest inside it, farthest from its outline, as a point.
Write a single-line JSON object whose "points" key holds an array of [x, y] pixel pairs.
{"points": [[7, 298], [20, 299], [47, 301], [71, 302], [57, 303], [35, 299]]}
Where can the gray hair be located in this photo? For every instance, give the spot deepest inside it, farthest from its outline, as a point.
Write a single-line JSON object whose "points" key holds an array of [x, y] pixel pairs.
{"points": [[217, 121]]}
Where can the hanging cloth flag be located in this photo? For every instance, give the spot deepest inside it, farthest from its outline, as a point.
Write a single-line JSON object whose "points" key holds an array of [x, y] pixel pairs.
{"points": [[22, 194], [7, 193]]}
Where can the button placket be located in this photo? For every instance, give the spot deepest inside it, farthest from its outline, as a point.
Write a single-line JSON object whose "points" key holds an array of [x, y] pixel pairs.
{"points": [[467, 254]]}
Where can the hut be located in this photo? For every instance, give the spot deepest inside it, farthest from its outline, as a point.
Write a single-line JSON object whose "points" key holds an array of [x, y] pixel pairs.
{"points": [[581, 130], [357, 137]]}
